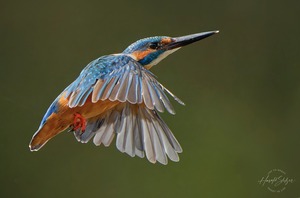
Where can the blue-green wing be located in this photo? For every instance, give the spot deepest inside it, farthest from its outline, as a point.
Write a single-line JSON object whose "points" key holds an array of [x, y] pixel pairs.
{"points": [[119, 78]]}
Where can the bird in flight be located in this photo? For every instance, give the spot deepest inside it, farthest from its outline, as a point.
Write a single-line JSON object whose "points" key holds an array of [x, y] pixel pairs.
{"points": [[117, 95]]}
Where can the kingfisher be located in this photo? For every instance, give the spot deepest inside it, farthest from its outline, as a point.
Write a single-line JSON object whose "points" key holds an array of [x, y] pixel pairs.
{"points": [[117, 95]]}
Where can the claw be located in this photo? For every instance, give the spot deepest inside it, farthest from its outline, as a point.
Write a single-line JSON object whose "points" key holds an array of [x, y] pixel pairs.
{"points": [[79, 122]]}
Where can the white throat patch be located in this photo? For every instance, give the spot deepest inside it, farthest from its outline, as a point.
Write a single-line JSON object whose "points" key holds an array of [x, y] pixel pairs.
{"points": [[160, 58]]}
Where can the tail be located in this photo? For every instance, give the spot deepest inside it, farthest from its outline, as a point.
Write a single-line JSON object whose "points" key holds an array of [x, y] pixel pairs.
{"points": [[139, 131], [50, 126]]}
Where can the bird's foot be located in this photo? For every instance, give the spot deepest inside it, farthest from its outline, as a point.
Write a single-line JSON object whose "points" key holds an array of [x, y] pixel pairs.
{"points": [[79, 122]]}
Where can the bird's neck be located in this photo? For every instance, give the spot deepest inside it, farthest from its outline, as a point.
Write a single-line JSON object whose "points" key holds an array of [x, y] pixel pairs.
{"points": [[148, 59], [159, 58]]}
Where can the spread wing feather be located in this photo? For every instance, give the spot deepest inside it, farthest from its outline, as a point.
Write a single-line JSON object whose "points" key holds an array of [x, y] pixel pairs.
{"points": [[119, 77], [139, 130]]}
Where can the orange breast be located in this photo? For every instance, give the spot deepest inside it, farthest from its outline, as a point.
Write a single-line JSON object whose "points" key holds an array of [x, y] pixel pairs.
{"points": [[88, 110], [64, 118]]}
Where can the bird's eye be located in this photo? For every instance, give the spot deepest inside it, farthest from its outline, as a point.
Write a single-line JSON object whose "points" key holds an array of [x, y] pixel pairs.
{"points": [[153, 45]]}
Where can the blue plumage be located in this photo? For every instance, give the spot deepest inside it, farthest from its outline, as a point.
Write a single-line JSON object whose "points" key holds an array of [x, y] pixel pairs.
{"points": [[143, 44], [117, 95], [118, 77], [151, 57], [52, 109]]}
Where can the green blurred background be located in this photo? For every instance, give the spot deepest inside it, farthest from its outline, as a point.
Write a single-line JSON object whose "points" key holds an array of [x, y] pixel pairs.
{"points": [[241, 89]]}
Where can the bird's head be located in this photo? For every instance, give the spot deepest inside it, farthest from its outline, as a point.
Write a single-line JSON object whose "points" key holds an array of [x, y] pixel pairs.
{"points": [[150, 51]]}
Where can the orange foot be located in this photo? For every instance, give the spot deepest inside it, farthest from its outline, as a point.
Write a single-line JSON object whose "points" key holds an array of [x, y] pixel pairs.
{"points": [[79, 122]]}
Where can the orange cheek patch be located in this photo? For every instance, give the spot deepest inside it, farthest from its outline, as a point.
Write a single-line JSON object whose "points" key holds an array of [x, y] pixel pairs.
{"points": [[166, 40], [141, 54]]}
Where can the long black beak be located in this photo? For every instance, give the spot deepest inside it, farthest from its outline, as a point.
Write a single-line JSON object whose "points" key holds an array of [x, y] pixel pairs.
{"points": [[186, 40]]}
